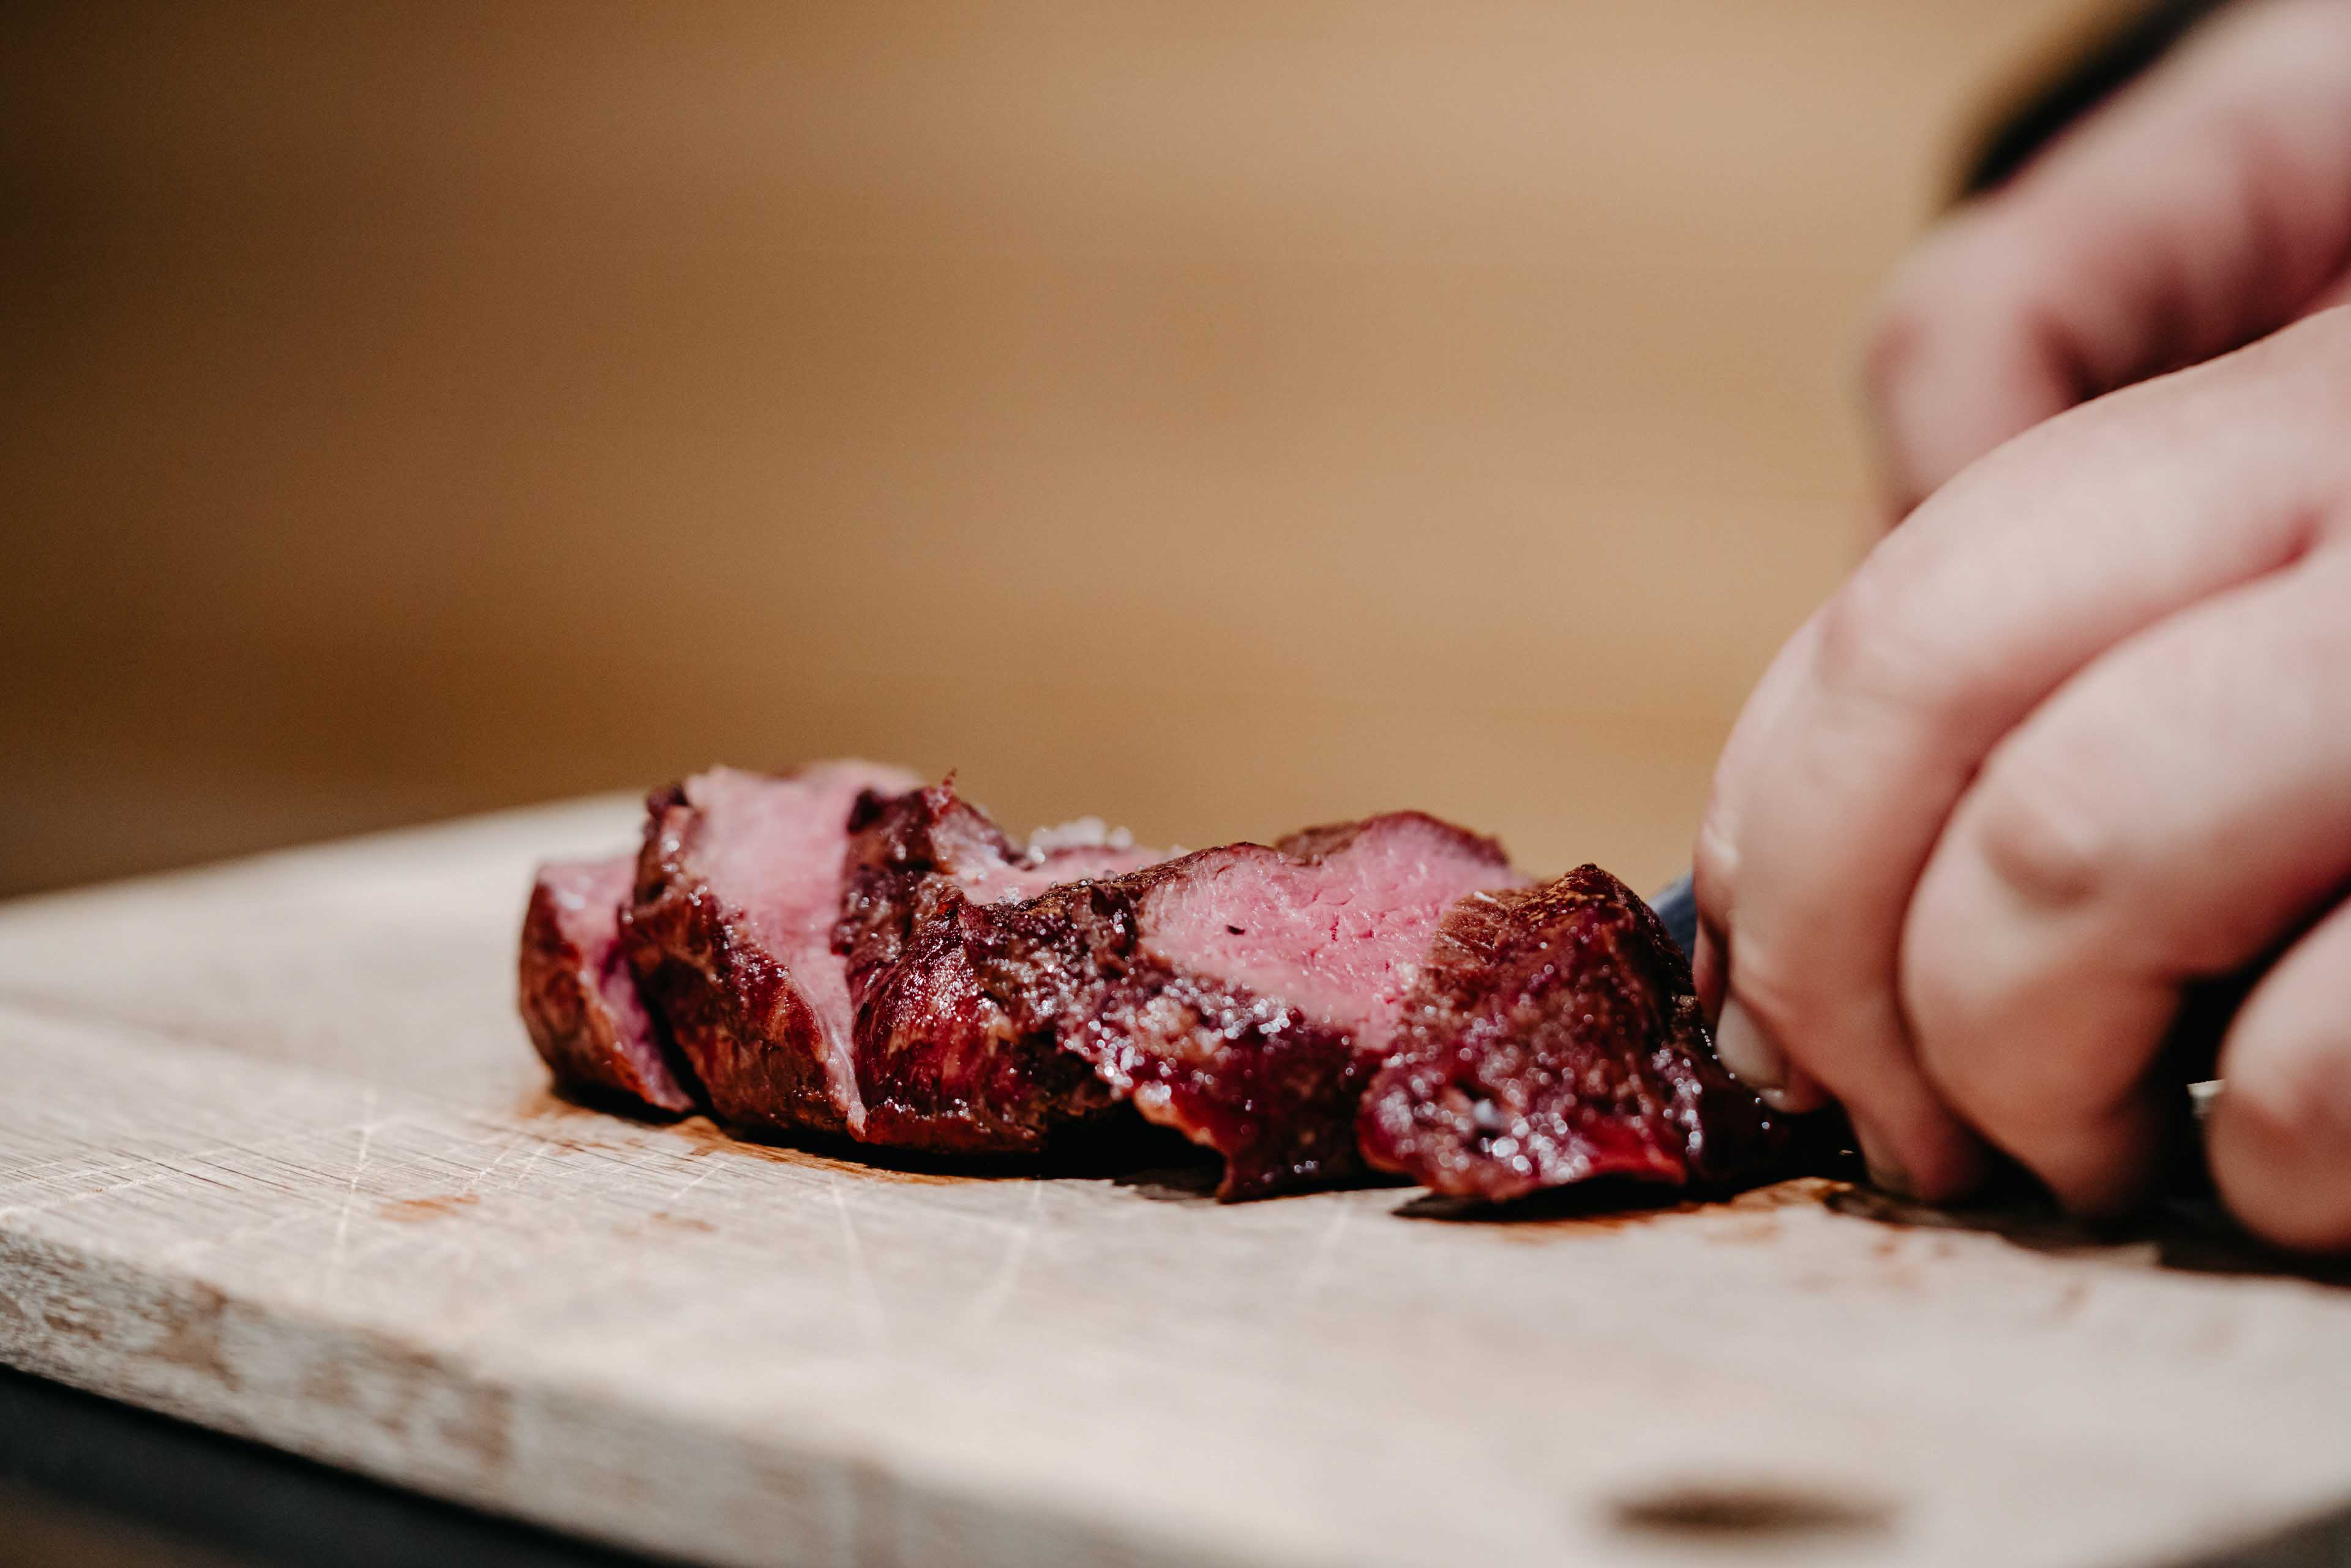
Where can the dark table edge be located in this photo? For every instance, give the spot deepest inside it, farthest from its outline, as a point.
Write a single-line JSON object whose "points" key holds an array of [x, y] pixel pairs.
{"points": [[245, 1500]]}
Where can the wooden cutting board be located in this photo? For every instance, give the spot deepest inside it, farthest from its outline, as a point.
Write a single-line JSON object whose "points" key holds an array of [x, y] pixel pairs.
{"points": [[275, 1158]]}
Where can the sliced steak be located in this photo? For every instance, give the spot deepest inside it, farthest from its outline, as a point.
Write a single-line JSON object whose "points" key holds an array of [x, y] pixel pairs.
{"points": [[1553, 1036], [1266, 985], [1243, 995], [579, 1000], [730, 932], [940, 1063]]}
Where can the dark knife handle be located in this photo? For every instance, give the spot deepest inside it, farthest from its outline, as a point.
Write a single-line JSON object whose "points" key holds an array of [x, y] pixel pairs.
{"points": [[1676, 907]]}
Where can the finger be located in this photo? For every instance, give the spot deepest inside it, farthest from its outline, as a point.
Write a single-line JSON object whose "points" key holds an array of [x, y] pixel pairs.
{"points": [[2207, 205], [2167, 816], [1963, 355], [2074, 536], [2279, 1137], [1752, 1055]]}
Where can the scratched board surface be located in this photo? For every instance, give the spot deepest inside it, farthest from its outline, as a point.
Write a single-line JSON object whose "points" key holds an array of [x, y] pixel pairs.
{"points": [[275, 1158]]}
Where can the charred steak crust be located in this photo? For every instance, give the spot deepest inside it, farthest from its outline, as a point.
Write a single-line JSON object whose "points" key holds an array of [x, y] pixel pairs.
{"points": [[1330, 839], [1007, 1019], [579, 1000], [940, 1062], [734, 1010], [1259, 1065], [1553, 1036], [828, 953], [1247, 1075], [764, 1039]]}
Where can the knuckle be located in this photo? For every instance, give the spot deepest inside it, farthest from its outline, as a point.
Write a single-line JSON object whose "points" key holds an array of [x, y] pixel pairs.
{"points": [[1896, 342], [1851, 633], [1869, 642], [2034, 824]]}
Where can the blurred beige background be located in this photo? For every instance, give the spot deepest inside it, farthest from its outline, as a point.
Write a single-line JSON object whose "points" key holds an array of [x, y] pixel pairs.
{"points": [[1217, 416]]}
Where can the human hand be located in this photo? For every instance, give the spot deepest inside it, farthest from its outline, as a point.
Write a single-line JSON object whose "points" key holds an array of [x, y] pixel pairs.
{"points": [[2029, 774], [2207, 205], [2076, 734]]}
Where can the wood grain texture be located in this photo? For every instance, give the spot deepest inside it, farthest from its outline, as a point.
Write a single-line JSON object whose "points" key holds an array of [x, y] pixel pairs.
{"points": [[275, 1157]]}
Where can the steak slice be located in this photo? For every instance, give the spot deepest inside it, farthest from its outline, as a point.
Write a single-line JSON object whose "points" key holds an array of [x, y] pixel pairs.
{"points": [[579, 1000], [939, 1062], [1554, 1036], [1265, 986], [1243, 995], [730, 933]]}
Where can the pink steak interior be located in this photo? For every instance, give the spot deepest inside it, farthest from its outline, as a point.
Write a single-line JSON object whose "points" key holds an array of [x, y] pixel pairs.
{"points": [[588, 895], [771, 849], [1339, 937]]}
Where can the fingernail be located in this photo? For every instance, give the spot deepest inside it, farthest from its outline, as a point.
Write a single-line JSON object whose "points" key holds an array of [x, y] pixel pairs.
{"points": [[1747, 1050], [1885, 1172]]}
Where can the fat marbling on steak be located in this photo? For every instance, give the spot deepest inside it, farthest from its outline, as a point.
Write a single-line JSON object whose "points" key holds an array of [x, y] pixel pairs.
{"points": [[1243, 995], [579, 999], [1553, 1036], [730, 932]]}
